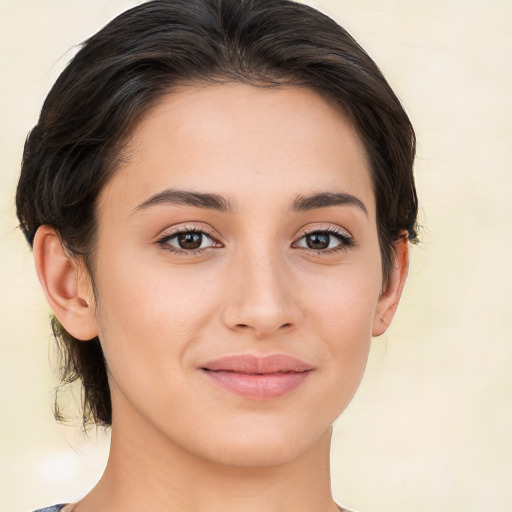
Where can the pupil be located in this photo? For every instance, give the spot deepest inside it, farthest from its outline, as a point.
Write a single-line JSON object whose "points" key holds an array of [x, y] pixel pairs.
{"points": [[318, 241], [190, 240]]}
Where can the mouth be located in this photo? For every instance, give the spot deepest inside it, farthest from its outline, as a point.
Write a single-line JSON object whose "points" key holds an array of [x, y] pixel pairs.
{"points": [[256, 377]]}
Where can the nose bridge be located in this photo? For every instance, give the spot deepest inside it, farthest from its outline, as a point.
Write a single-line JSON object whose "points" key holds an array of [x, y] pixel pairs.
{"points": [[262, 299], [266, 279]]}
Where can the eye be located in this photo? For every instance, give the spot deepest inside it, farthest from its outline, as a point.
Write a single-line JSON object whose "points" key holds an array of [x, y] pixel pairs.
{"points": [[326, 240], [188, 241]]}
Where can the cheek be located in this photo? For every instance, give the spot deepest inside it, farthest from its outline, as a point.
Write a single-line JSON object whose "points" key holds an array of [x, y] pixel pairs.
{"points": [[148, 313], [344, 307], [346, 300]]}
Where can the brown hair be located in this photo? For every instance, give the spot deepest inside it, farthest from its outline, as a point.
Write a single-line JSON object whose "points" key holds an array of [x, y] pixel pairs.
{"points": [[124, 69]]}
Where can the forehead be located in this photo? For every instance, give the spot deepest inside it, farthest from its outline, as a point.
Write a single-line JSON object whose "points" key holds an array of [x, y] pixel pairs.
{"points": [[245, 142]]}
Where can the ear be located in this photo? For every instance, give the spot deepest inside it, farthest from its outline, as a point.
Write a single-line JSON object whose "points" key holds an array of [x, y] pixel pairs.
{"points": [[66, 284], [390, 297]]}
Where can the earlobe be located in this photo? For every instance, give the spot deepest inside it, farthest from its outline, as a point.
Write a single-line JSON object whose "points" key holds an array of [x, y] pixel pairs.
{"points": [[390, 297], [66, 288]]}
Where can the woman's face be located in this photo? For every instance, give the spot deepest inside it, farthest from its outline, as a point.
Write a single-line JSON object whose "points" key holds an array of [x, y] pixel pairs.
{"points": [[238, 272]]}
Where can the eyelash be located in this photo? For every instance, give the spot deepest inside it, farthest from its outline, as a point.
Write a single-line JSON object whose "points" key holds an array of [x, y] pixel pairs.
{"points": [[346, 240], [163, 241]]}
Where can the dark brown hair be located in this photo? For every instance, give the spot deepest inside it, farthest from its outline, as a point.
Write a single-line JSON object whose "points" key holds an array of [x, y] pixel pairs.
{"points": [[124, 69]]}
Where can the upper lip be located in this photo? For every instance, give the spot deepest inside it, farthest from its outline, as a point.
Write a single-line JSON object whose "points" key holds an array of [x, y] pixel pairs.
{"points": [[254, 364]]}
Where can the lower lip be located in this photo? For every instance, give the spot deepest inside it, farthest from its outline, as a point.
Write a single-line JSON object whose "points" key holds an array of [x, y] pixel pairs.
{"points": [[258, 386]]}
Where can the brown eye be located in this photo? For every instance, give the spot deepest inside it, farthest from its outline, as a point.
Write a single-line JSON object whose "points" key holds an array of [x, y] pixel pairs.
{"points": [[190, 241], [326, 241], [186, 241], [318, 240]]}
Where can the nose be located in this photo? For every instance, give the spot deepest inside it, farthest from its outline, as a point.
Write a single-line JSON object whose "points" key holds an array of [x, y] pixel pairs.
{"points": [[262, 297]]}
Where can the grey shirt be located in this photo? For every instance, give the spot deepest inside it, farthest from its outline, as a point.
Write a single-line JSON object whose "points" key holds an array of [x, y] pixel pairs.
{"points": [[55, 508]]}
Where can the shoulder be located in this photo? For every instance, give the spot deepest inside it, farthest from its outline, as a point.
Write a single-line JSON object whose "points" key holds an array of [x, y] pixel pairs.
{"points": [[55, 508]]}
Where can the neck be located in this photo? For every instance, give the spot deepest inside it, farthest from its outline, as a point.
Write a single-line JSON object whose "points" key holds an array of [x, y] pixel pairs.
{"points": [[147, 471]]}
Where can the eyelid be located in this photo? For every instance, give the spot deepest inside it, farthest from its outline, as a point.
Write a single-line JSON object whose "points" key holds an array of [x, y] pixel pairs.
{"points": [[344, 236], [187, 228], [326, 228], [173, 231]]}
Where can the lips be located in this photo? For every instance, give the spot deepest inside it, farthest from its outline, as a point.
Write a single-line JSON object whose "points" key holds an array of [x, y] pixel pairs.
{"points": [[258, 377]]}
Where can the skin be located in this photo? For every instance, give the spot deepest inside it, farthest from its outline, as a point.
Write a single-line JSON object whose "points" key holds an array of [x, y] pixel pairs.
{"points": [[254, 287]]}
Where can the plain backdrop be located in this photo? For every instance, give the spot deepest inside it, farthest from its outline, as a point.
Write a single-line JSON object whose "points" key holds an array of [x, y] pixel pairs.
{"points": [[431, 427]]}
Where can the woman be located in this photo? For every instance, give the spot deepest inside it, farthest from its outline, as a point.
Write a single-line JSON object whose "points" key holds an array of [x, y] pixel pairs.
{"points": [[219, 196]]}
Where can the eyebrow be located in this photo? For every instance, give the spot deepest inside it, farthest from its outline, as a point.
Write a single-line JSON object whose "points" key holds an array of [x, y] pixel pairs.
{"points": [[188, 198], [220, 203], [326, 199]]}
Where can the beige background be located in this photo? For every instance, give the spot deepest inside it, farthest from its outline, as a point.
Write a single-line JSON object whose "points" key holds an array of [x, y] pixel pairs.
{"points": [[431, 426]]}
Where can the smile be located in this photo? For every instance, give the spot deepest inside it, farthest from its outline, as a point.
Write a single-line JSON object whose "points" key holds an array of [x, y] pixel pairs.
{"points": [[256, 377]]}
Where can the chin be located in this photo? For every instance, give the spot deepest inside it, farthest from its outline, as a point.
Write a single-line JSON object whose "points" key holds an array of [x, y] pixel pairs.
{"points": [[259, 447], [257, 455]]}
